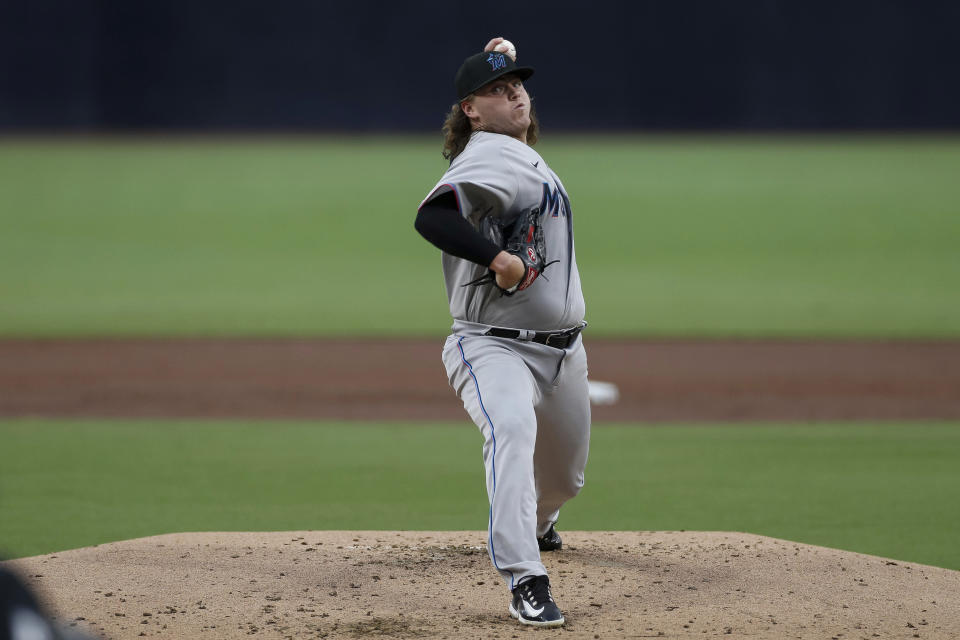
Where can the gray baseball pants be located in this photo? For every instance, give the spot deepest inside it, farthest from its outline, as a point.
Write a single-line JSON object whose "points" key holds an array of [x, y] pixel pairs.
{"points": [[532, 405]]}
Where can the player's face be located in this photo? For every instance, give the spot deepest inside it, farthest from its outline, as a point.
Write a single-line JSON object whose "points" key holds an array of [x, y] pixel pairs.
{"points": [[502, 106]]}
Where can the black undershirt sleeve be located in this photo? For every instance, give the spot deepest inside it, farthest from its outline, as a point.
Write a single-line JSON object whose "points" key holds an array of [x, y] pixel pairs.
{"points": [[440, 222]]}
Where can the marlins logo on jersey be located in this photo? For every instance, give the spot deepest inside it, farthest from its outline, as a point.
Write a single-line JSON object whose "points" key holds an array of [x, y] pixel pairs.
{"points": [[551, 202]]}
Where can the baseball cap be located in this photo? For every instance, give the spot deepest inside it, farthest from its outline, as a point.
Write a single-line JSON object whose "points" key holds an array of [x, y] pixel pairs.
{"points": [[481, 68]]}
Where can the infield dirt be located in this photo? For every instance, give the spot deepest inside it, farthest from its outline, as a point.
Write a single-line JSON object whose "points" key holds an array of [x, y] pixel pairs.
{"points": [[382, 379], [441, 585]]}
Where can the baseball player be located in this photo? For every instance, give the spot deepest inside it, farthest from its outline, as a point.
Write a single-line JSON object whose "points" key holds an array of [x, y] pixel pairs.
{"points": [[515, 358]]}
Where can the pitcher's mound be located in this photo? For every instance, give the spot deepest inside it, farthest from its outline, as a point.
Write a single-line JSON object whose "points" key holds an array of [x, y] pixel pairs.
{"points": [[325, 584]]}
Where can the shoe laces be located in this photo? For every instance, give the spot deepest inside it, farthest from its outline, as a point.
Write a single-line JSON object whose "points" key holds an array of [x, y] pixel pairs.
{"points": [[537, 590]]}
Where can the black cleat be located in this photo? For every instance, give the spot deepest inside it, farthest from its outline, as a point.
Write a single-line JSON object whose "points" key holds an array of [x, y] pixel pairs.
{"points": [[550, 541], [532, 604]]}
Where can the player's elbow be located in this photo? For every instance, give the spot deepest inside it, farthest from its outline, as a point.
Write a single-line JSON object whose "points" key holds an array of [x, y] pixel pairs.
{"points": [[420, 223], [428, 224]]}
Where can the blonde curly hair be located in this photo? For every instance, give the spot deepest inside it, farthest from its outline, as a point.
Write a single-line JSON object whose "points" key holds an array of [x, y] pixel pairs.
{"points": [[457, 129]]}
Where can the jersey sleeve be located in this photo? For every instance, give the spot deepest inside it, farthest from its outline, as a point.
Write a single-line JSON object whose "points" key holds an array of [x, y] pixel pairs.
{"points": [[440, 222], [483, 182]]}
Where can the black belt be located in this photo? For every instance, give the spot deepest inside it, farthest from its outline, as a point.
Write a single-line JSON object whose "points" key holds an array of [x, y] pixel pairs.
{"points": [[557, 339]]}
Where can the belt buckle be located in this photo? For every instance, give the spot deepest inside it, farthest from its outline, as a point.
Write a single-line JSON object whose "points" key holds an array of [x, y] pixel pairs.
{"points": [[560, 337]]}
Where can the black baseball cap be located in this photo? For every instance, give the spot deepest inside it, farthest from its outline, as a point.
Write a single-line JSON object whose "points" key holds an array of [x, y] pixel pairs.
{"points": [[481, 68]]}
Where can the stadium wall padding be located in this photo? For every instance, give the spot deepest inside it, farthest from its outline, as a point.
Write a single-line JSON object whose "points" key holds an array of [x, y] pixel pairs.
{"points": [[90, 65]]}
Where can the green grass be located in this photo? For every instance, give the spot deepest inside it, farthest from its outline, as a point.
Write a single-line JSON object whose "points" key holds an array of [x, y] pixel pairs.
{"points": [[679, 235], [890, 490]]}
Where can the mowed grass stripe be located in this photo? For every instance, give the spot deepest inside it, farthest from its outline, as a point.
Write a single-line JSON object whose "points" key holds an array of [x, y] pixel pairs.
{"points": [[676, 235], [884, 489]]}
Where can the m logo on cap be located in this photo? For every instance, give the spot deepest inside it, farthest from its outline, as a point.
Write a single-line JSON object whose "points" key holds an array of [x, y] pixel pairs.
{"points": [[497, 61]]}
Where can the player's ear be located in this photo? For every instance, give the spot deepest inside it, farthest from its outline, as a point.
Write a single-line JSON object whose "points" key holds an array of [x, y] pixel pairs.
{"points": [[467, 107]]}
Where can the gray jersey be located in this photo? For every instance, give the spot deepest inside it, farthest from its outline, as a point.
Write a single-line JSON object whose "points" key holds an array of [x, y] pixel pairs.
{"points": [[499, 176]]}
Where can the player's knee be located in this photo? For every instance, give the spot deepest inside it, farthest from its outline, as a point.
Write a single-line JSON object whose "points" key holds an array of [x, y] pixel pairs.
{"points": [[515, 443], [562, 490], [516, 428], [574, 485], [573, 488]]}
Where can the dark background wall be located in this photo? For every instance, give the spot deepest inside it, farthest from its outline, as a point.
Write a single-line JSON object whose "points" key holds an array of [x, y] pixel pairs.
{"points": [[299, 64]]}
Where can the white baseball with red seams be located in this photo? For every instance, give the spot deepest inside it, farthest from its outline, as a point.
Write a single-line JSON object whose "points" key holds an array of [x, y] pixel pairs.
{"points": [[507, 47]]}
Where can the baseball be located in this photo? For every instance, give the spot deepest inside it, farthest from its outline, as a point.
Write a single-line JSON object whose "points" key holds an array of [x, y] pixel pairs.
{"points": [[507, 47], [603, 392]]}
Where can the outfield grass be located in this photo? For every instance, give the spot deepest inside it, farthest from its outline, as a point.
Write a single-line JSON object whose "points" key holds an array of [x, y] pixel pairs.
{"points": [[890, 490], [832, 236]]}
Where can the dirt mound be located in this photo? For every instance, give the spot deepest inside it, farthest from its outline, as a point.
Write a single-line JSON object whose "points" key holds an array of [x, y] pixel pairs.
{"points": [[392, 379], [441, 584]]}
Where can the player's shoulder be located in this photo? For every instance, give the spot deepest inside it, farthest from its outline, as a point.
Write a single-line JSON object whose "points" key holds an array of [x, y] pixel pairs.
{"points": [[484, 152], [482, 145], [484, 142], [495, 148]]}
